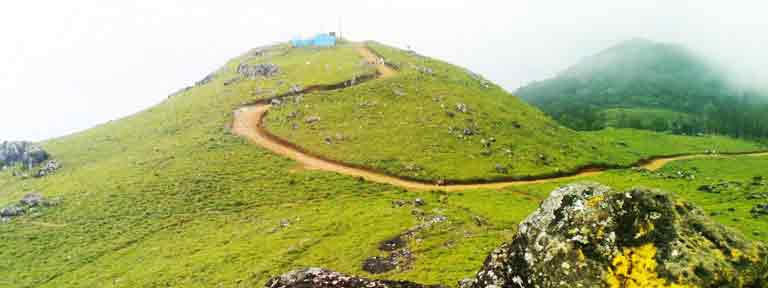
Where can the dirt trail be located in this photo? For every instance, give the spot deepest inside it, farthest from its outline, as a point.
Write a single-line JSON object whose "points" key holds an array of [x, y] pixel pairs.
{"points": [[248, 123]]}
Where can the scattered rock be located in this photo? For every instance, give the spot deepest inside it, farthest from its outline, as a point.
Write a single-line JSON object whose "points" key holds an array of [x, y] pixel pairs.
{"points": [[32, 199], [12, 211], [419, 202], [258, 70], [320, 278], [501, 169], [468, 131], [399, 203], [461, 107], [479, 221], [30, 203], [759, 210], [231, 81], [378, 265], [312, 119], [296, 89], [49, 168], [392, 244]]}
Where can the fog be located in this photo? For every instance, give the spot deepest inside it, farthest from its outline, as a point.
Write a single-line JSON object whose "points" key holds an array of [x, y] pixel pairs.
{"points": [[70, 65]]}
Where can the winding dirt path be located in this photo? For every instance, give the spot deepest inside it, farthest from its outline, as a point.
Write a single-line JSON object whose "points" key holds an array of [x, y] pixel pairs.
{"points": [[248, 122]]}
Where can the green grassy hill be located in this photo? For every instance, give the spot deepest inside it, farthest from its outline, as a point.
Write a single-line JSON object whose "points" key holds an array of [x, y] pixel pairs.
{"points": [[686, 93], [412, 125], [169, 197]]}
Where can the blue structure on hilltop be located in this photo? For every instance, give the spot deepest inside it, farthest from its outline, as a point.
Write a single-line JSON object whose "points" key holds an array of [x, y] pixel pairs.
{"points": [[320, 40]]}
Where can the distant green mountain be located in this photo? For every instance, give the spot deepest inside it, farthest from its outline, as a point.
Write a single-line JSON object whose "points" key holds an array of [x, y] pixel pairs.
{"points": [[648, 85]]}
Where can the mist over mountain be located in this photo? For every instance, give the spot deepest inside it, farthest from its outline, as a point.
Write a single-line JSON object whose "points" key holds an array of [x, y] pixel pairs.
{"points": [[648, 85]]}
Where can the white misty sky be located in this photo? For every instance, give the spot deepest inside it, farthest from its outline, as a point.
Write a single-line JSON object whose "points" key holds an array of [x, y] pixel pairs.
{"points": [[69, 65]]}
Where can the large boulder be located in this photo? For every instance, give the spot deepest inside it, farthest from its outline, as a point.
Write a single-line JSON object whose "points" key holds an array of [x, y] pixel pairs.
{"points": [[585, 235], [20, 152]]}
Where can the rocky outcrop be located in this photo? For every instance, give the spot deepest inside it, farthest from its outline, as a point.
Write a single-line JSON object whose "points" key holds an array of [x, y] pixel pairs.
{"points": [[48, 168], [21, 153], [320, 278], [587, 235], [257, 70], [31, 203]]}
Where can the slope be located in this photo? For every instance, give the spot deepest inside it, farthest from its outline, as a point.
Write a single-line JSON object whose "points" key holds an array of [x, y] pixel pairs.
{"points": [[170, 197], [422, 122]]}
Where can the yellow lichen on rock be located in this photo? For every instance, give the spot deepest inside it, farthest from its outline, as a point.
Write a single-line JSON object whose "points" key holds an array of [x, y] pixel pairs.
{"points": [[595, 200], [636, 267], [644, 229]]}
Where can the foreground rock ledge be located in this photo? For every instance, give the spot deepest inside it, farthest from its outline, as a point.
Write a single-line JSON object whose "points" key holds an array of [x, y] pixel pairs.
{"points": [[320, 278], [586, 235]]}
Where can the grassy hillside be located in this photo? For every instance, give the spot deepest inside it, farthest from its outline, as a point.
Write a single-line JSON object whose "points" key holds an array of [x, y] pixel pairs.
{"points": [[170, 198], [409, 125], [640, 75]]}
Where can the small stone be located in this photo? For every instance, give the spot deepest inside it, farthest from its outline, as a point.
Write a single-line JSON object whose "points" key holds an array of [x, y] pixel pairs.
{"points": [[312, 119], [32, 199], [461, 107]]}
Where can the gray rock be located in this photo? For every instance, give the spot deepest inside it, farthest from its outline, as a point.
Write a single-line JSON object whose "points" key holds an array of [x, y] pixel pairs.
{"points": [[12, 211], [49, 167], [21, 153], [258, 70], [312, 119], [321, 278], [32, 199], [461, 107], [759, 210]]}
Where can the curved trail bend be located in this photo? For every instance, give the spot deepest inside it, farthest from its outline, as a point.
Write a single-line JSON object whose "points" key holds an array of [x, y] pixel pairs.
{"points": [[248, 122]]}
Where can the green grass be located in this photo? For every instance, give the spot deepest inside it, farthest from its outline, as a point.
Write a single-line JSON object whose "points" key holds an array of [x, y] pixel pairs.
{"points": [[169, 197], [401, 126]]}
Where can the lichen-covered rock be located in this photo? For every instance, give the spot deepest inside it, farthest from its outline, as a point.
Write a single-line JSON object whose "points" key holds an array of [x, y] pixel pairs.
{"points": [[585, 235], [320, 278]]}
